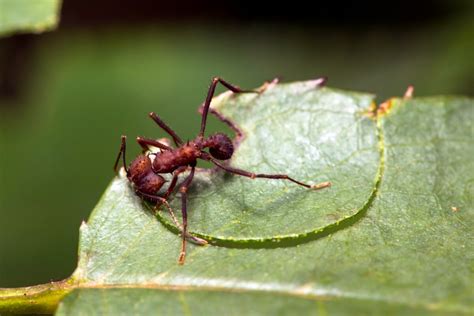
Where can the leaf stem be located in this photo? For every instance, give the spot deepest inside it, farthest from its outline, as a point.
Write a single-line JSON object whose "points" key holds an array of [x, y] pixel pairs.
{"points": [[37, 299]]}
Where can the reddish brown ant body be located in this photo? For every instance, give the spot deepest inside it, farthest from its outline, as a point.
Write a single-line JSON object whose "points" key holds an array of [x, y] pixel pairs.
{"points": [[144, 172]]}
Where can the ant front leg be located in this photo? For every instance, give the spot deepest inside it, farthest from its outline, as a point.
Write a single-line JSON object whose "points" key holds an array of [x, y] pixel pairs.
{"points": [[252, 175], [174, 180], [210, 94], [184, 196], [160, 201], [146, 142], [123, 147]]}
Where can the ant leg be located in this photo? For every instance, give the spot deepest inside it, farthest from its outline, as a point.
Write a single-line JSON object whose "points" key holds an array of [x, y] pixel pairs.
{"points": [[177, 140], [231, 124], [184, 190], [174, 180], [145, 142], [268, 176], [172, 185], [210, 94], [123, 147], [161, 201]]}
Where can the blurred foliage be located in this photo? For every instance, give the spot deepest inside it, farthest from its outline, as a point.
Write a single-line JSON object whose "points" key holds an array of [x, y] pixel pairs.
{"points": [[87, 87]]}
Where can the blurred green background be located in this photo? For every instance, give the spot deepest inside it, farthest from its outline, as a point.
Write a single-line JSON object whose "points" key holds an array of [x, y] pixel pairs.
{"points": [[67, 96]]}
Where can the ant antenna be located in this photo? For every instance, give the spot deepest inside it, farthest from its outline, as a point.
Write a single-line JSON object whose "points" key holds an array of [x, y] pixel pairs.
{"points": [[123, 147]]}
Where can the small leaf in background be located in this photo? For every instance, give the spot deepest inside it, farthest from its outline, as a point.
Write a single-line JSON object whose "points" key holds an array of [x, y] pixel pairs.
{"points": [[28, 15]]}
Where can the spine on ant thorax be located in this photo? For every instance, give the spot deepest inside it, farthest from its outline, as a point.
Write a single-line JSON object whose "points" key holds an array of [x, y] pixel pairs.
{"points": [[170, 160]]}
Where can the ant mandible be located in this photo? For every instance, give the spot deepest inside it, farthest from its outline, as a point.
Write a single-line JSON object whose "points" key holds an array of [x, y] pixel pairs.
{"points": [[144, 173]]}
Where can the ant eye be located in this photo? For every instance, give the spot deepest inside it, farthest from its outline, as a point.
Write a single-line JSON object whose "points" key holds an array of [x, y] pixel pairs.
{"points": [[220, 146]]}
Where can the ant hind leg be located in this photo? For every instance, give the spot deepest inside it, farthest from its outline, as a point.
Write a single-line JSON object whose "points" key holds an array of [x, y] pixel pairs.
{"points": [[184, 190], [252, 175]]}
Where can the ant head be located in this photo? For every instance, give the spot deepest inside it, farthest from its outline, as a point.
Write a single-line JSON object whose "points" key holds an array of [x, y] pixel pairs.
{"points": [[142, 175], [220, 146]]}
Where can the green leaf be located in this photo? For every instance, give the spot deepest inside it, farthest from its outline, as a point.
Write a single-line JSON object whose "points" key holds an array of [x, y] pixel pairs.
{"points": [[28, 15], [392, 235]]}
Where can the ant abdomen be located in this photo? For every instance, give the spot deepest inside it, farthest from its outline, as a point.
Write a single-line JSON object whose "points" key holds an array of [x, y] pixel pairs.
{"points": [[220, 146]]}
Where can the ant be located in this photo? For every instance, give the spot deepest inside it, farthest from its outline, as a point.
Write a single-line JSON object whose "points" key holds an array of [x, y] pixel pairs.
{"points": [[144, 172]]}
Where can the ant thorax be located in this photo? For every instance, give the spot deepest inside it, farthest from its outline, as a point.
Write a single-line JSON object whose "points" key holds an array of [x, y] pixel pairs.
{"points": [[153, 151]]}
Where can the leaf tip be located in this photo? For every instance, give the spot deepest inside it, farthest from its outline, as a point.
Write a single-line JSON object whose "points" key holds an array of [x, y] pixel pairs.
{"points": [[84, 225], [122, 173], [385, 107], [409, 92], [319, 82], [267, 85]]}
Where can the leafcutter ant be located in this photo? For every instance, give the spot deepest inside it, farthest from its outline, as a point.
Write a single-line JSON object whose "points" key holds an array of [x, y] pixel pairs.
{"points": [[145, 173]]}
